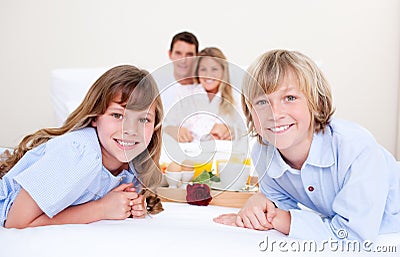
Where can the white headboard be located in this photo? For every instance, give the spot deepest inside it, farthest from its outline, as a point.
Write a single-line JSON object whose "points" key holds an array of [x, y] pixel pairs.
{"points": [[69, 87]]}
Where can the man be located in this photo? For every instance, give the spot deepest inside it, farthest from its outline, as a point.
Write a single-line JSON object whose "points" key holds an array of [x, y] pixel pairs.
{"points": [[173, 80], [174, 77], [184, 47]]}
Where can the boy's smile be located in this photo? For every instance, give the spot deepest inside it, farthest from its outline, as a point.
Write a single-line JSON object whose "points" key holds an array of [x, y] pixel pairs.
{"points": [[284, 119], [280, 129]]}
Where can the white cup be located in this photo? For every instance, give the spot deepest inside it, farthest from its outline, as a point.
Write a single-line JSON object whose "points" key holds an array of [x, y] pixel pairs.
{"points": [[233, 176], [187, 176], [173, 178]]}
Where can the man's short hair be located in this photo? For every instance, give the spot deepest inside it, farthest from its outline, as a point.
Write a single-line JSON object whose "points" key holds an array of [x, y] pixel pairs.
{"points": [[186, 37]]}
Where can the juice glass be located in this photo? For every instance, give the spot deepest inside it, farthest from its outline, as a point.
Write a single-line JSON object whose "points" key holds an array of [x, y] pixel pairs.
{"points": [[200, 167]]}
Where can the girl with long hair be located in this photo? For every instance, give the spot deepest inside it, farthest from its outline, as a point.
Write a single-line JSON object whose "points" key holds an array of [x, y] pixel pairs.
{"points": [[101, 164]]}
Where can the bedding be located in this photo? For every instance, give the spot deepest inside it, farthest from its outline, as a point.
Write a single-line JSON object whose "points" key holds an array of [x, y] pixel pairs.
{"points": [[181, 230]]}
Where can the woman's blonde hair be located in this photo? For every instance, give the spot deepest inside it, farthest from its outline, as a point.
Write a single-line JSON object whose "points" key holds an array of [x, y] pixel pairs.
{"points": [[264, 76], [137, 89], [227, 100]]}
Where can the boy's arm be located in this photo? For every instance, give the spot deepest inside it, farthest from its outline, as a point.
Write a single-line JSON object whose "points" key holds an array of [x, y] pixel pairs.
{"points": [[258, 213], [281, 221]]}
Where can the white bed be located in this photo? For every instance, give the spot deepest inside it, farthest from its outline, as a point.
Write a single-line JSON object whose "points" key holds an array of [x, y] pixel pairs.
{"points": [[181, 230]]}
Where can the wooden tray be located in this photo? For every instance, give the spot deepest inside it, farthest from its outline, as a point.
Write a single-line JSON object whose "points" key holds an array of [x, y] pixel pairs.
{"points": [[220, 198]]}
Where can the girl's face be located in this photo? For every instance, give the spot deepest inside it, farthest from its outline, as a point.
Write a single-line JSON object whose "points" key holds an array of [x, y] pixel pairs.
{"points": [[283, 118], [123, 134], [210, 74]]}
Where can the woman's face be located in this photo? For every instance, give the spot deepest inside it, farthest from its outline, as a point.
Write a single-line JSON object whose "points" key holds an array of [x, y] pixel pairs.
{"points": [[210, 74], [123, 133]]}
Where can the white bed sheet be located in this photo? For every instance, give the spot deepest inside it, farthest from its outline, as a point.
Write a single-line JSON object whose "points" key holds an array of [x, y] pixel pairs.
{"points": [[181, 230]]}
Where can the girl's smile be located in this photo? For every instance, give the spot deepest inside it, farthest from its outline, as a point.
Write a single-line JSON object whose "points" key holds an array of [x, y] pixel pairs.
{"points": [[123, 134], [126, 145], [210, 74]]}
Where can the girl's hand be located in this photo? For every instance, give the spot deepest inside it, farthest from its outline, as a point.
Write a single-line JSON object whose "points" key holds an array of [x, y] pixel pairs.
{"points": [[258, 213], [227, 219], [138, 205], [117, 203]]}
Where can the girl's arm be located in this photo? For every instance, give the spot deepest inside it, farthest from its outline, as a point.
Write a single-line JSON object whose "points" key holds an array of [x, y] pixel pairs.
{"points": [[115, 205]]}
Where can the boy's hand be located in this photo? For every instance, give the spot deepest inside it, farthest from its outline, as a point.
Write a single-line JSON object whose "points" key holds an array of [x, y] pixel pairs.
{"points": [[226, 219], [258, 213]]}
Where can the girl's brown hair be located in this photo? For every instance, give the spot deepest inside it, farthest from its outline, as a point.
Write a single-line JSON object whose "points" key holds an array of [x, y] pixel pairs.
{"points": [[266, 73], [137, 89]]}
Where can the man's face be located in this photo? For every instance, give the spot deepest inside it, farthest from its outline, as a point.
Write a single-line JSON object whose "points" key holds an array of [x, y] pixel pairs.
{"points": [[182, 55]]}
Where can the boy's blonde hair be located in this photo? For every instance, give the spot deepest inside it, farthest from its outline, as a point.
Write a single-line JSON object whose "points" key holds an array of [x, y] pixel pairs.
{"points": [[227, 100], [137, 89], [265, 75]]}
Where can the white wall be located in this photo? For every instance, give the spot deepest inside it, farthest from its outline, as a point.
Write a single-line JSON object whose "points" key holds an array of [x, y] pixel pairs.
{"points": [[356, 42]]}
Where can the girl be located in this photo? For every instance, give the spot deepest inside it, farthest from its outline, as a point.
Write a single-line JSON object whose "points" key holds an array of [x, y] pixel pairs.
{"points": [[303, 156], [92, 167], [207, 107]]}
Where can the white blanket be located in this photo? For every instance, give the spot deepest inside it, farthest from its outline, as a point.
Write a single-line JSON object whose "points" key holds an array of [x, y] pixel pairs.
{"points": [[181, 230]]}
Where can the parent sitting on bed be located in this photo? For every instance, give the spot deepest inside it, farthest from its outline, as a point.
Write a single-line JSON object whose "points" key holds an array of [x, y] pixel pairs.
{"points": [[208, 107]]}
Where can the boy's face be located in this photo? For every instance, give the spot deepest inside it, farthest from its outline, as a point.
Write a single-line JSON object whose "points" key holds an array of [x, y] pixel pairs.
{"points": [[182, 54], [283, 118]]}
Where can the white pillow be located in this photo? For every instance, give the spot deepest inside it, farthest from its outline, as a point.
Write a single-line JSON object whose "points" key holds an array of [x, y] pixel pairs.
{"points": [[69, 87]]}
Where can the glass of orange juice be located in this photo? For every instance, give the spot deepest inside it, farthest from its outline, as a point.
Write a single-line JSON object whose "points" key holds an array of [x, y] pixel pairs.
{"points": [[219, 163], [200, 167]]}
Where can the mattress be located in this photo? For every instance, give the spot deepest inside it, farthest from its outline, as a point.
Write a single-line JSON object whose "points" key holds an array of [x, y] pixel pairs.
{"points": [[181, 230]]}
